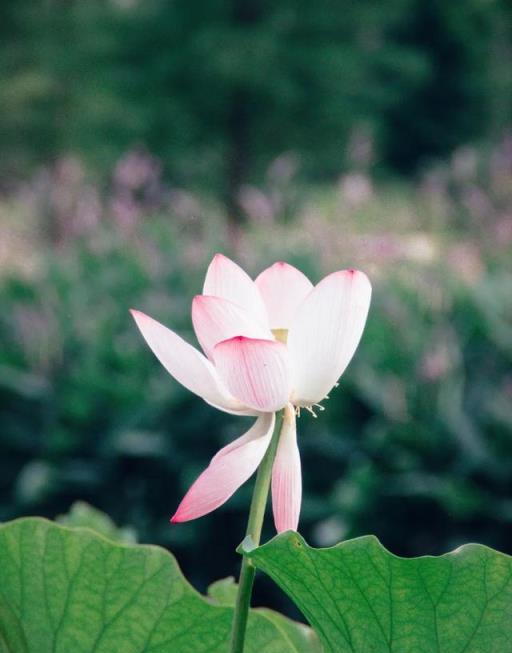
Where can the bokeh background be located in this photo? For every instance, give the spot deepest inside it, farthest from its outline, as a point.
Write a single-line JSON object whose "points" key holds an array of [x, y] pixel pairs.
{"points": [[139, 138]]}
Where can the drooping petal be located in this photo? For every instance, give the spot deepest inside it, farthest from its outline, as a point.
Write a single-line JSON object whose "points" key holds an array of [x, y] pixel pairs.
{"points": [[187, 365], [326, 332], [216, 319], [225, 278], [228, 469], [256, 372], [287, 477], [283, 289]]}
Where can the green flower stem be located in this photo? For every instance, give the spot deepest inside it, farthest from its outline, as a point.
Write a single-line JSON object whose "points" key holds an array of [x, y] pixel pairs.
{"points": [[254, 525]]}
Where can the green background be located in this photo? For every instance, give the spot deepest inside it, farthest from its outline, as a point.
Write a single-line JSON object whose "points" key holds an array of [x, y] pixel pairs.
{"points": [[139, 138]]}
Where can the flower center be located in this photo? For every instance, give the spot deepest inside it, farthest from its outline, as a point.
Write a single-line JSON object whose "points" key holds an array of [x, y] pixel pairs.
{"points": [[281, 335]]}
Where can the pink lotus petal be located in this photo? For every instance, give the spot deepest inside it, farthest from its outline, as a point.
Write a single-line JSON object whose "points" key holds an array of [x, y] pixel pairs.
{"points": [[216, 319], [186, 364], [287, 477], [226, 279], [231, 467], [256, 372], [326, 332], [283, 288]]}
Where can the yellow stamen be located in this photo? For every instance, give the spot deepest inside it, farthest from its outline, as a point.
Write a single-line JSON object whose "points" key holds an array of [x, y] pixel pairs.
{"points": [[311, 408], [281, 335]]}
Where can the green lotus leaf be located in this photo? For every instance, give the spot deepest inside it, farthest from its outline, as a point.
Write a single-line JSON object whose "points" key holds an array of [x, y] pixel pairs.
{"points": [[360, 598], [70, 590], [303, 638]]}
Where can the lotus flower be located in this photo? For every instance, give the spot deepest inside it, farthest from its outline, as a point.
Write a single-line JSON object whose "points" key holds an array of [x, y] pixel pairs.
{"points": [[270, 344]]}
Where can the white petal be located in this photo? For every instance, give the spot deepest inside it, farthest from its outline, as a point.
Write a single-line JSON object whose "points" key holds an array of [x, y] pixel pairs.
{"points": [[225, 278], [283, 289], [287, 477], [228, 469], [326, 332], [216, 319], [256, 372], [187, 365]]}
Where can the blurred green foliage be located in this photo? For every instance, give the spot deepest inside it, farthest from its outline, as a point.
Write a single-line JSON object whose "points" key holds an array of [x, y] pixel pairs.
{"points": [[251, 103], [218, 89], [415, 445], [82, 515]]}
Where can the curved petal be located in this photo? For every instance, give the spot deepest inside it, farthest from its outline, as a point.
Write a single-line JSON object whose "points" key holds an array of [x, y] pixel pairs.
{"points": [[326, 332], [256, 372], [287, 477], [283, 289], [216, 319], [226, 279], [187, 365], [228, 469]]}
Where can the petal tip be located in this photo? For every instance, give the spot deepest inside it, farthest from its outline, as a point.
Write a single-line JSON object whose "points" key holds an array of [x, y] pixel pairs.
{"points": [[141, 319], [218, 262], [138, 316], [230, 341], [352, 274], [219, 258], [197, 299], [247, 339]]}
